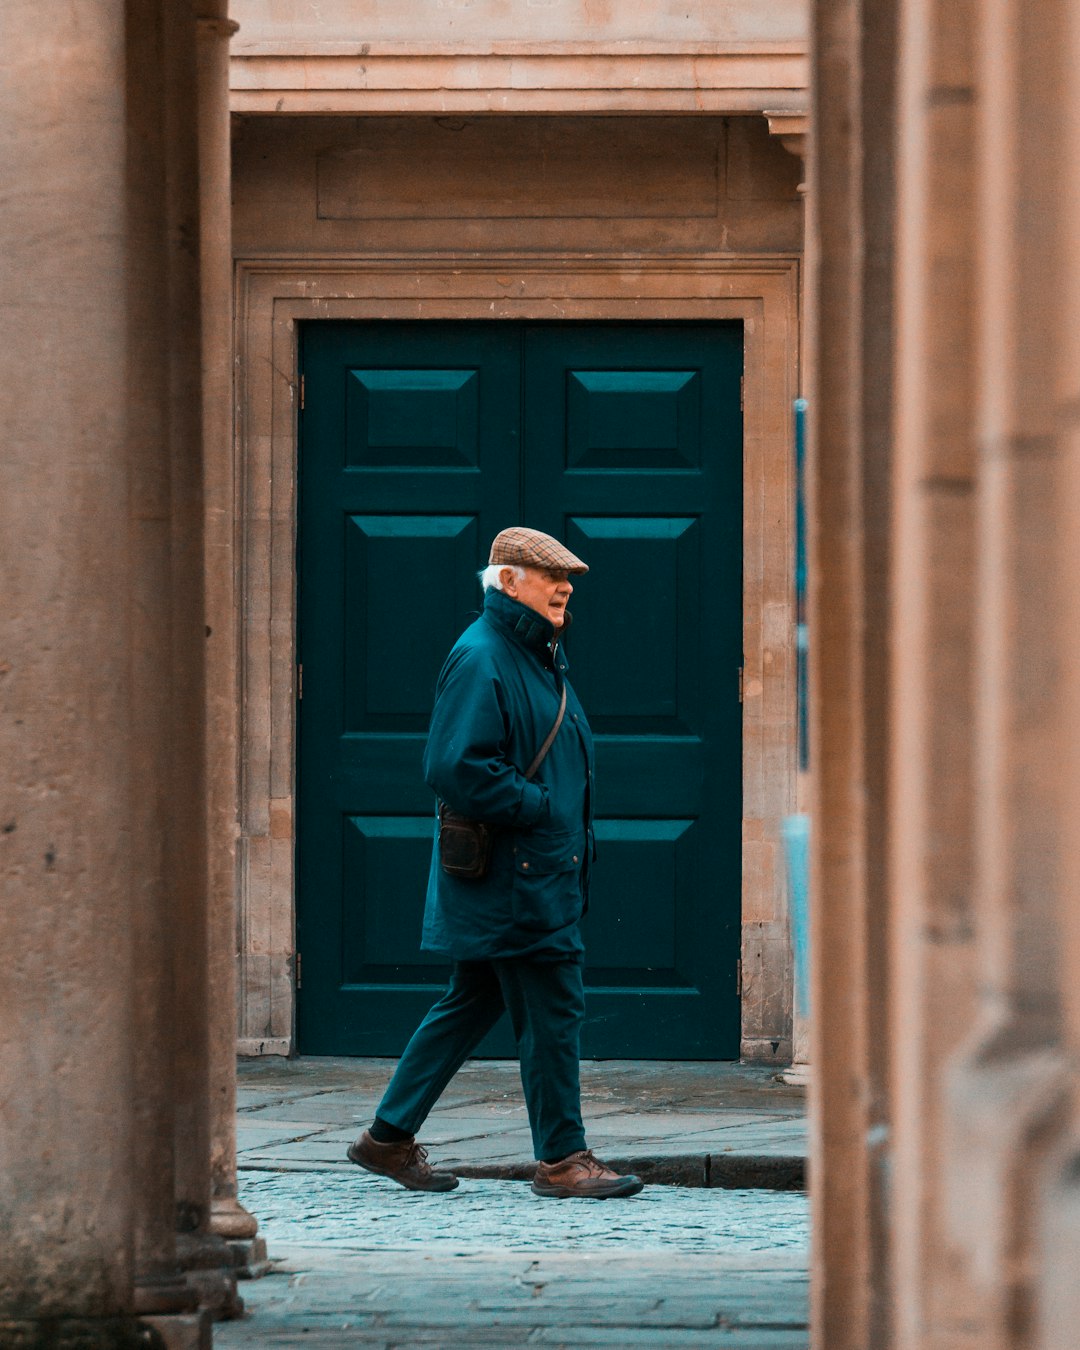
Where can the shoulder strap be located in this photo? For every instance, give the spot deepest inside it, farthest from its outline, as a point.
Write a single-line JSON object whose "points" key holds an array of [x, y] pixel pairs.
{"points": [[550, 736]]}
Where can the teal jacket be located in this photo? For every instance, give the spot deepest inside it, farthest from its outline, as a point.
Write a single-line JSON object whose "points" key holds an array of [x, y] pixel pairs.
{"points": [[496, 700]]}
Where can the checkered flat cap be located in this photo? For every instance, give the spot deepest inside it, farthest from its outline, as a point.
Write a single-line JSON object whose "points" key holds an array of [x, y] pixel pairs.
{"points": [[522, 547]]}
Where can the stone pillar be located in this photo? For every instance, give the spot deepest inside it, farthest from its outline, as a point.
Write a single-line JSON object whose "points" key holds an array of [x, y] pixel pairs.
{"points": [[976, 994], [932, 870], [1006, 1086], [95, 647], [1058, 1236], [851, 201], [228, 1218], [791, 129], [203, 1254], [160, 1288], [66, 1008]]}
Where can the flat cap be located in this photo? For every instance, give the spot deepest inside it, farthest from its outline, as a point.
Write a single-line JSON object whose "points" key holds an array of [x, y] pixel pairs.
{"points": [[521, 547]]}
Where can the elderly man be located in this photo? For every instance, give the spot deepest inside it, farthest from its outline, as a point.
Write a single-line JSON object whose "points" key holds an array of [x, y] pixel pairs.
{"points": [[509, 748]]}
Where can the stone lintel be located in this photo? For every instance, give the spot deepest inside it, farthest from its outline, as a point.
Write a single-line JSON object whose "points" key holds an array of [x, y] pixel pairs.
{"points": [[624, 77]]}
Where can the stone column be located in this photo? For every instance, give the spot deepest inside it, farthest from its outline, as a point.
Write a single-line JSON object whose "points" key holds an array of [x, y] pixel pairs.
{"points": [[204, 1255], [791, 129], [1058, 1235], [851, 201], [932, 862], [1006, 1087], [160, 1288], [228, 1218], [66, 1007], [87, 672]]}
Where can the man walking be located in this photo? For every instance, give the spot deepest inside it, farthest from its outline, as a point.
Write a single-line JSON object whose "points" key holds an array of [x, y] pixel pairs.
{"points": [[509, 748]]}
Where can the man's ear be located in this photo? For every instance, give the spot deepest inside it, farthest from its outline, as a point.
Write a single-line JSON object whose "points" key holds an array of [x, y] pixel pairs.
{"points": [[508, 577]]}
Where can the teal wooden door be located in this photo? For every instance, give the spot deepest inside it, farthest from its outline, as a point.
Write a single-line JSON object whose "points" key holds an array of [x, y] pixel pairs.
{"points": [[419, 441]]}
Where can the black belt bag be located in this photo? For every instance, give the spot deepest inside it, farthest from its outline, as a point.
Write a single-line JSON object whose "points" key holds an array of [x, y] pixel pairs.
{"points": [[465, 844]]}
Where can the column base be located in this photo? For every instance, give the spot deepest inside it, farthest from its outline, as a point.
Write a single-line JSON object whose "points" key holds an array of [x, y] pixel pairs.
{"points": [[1003, 1100], [185, 1331], [208, 1265], [79, 1333], [250, 1258], [798, 1075], [217, 1294], [162, 1295], [229, 1219]]}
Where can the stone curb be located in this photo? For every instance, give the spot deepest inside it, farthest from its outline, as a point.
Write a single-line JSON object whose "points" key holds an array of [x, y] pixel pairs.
{"points": [[726, 1171]]}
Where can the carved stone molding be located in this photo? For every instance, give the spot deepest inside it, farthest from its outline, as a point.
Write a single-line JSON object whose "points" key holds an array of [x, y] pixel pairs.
{"points": [[537, 77], [790, 128]]}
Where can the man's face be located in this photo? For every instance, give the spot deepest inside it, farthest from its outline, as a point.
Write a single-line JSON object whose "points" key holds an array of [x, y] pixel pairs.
{"points": [[546, 592]]}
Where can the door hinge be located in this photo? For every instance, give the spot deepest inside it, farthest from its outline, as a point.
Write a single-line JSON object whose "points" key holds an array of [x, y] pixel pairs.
{"points": [[300, 683], [741, 683], [738, 978], [299, 972], [303, 393]]}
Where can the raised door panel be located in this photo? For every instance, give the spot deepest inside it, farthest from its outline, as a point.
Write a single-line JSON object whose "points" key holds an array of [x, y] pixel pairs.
{"points": [[642, 562], [633, 419], [413, 578], [409, 419]]}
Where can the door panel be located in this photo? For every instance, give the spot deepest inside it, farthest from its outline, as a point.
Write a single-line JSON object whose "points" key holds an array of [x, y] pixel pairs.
{"points": [[384, 856], [408, 462], [646, 420], [650, 669], [420, 442], [387, 685], [408, 419], [618, 419]]}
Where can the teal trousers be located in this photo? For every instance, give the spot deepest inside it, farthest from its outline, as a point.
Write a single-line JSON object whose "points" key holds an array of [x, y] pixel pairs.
{"points": [[546, 1003]]}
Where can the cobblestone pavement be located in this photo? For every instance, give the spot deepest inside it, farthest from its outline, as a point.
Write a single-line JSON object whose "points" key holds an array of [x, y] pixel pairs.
{"points": [[361, 1211], [361, 1262]]}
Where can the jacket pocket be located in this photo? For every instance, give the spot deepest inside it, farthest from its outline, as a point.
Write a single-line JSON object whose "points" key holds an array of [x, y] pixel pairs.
{"points": [[547, 879]]}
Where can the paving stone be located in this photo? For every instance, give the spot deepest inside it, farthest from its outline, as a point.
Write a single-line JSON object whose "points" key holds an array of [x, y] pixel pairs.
{"points": [[325, 1108], [645, 1124], [270, 1162], [503, 1133], [484, 1110], [437, 1130], [260, 1137], [673, 1338]]}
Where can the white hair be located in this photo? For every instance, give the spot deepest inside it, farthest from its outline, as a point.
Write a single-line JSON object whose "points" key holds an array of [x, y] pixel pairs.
{"points": [[491, 576]]}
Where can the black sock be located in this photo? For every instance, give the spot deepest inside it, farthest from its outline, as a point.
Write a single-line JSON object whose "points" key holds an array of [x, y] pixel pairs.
{"points": [[385, 1133]]}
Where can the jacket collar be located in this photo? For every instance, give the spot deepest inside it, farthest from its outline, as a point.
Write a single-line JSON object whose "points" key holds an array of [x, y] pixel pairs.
{"points": [[521, 624]]}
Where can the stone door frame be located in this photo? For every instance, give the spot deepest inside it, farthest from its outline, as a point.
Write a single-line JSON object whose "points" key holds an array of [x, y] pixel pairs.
{"points": [[273, 295]]}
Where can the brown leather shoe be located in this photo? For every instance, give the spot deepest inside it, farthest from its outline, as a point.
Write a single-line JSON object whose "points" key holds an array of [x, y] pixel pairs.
{"points": [[584, 1175], [405, 1162]]}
